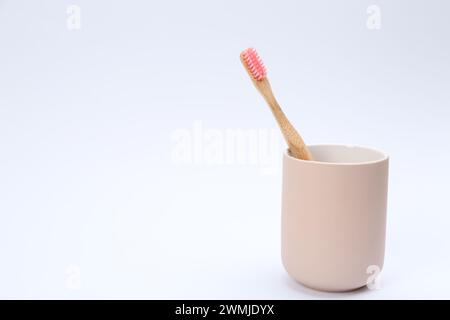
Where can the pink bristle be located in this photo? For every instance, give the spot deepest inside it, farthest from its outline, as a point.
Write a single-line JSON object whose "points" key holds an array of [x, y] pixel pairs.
{"points": [[254, 64]]}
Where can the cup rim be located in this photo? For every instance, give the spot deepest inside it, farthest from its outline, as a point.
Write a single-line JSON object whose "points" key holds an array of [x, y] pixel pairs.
{"points": [[384, 156]]}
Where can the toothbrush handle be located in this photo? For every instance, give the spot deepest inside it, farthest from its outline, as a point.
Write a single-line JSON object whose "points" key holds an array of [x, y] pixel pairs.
{"points": [[297, 146]]}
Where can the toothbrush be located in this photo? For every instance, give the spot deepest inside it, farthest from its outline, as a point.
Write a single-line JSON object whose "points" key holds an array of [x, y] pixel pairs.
{"points": [[257, 72]]}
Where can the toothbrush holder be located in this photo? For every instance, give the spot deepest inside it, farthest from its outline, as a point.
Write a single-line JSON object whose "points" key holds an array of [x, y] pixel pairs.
{"points": [[334, 216]]}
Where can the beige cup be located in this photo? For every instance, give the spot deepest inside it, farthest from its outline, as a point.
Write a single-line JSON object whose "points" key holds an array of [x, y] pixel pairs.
{"points": [[334, 216]]}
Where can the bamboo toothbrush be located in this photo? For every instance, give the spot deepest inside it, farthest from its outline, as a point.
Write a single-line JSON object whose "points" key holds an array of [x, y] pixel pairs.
{"points": [[257, 72]]}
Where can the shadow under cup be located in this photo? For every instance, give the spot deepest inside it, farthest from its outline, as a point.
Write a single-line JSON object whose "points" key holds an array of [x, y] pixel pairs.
{"points": [[334, 216]]}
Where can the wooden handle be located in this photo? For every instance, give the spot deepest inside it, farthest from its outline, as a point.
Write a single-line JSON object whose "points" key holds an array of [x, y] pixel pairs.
{"points": [[297, 146]]}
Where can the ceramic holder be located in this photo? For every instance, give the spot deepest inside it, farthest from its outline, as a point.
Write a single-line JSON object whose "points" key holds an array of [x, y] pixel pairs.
{"points": [[334, 216]]}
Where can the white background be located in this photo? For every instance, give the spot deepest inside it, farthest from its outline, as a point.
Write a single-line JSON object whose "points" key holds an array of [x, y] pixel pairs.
{"points": [[94, 205]]}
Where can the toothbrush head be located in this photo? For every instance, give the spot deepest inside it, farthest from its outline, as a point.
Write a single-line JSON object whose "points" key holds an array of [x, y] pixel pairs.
{"points": [[253, 63]]}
